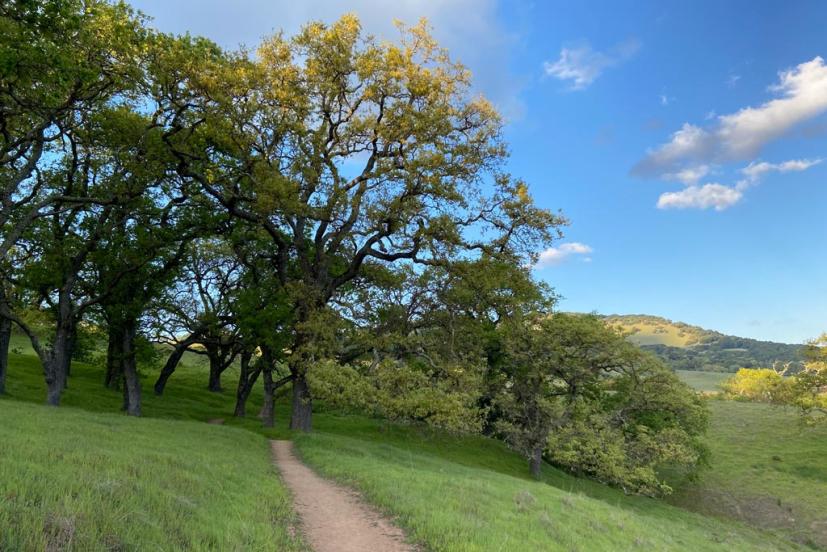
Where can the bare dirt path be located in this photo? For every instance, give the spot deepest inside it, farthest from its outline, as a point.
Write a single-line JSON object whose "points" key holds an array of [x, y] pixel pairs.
{"points": [[334, 519]]}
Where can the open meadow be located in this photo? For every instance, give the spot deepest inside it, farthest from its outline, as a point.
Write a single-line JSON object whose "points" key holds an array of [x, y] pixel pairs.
{"points": [[487, 500]]}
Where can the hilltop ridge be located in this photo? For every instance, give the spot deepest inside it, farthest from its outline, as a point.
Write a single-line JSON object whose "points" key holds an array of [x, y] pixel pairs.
{"points": [[687, 347]]}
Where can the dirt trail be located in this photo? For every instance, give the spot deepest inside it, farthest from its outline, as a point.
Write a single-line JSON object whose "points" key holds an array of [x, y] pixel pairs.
{"points": [[334, 519]]}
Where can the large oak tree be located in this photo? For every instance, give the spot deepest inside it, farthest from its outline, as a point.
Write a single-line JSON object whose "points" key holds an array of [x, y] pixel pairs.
{"points": [[345, 150]]}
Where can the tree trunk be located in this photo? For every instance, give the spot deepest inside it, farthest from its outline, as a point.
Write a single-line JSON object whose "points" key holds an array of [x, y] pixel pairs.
{"points": [[535, 463], [55, 377], [132, 384], [54, 385], [246, 381], [267, 409], [214, 384], [302, 412], [172, 363], [114, 371], [70, 350], [5, 339], [55, 366]]}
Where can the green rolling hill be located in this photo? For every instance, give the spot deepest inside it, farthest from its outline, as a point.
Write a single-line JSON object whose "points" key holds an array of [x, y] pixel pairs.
{"points": [[687, 347]]}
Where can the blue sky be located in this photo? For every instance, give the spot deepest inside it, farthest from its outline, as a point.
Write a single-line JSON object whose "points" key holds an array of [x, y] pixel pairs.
{"points": [[683, 139]]}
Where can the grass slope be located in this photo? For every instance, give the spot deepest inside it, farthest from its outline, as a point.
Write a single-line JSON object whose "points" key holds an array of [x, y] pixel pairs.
{"points": [[768, 470], [74, 480], [450, 493], [185, 398], [683, 346], [472, 494], [707, 382], [653, 330]]}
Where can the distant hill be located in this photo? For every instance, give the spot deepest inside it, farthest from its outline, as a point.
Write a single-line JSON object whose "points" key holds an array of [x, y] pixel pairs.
{"points": [[686, 347]]}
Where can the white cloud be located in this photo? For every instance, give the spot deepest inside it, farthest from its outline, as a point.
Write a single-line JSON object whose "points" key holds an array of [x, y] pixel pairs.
{"points": [[690, 142], [804, 96], [689, 175], [733, 80], [693, 151], [555, 255], [741, 135], [754, 170], [666, 99], [719, 196], [712, 195], [582, 65]]}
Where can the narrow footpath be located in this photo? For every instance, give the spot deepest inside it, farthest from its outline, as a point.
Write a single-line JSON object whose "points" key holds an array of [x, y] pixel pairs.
{"points": [[334, 519]]}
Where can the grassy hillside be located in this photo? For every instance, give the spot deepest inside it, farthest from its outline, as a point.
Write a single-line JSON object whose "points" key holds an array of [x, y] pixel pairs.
{"points": [[74, 480], [185, 398], [652, 330], [686, 347], [706, 382], [767, 470], [450, 493], [473, 495]]}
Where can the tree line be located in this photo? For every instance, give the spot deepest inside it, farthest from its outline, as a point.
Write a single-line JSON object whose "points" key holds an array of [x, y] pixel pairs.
{"points": [[330, 213]]}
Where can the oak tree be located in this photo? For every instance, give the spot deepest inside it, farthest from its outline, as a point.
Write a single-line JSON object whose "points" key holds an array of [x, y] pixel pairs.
{"points": [[345, 150]]}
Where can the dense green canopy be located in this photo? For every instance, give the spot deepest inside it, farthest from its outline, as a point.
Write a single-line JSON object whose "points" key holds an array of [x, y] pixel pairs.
{"points": [[333, 214]]}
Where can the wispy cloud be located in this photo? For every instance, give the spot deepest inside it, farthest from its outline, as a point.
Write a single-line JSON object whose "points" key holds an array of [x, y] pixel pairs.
{"points": [[689, 175], [741, 135], [581, 65], [556, 255], [692, 151], [720, 196], [756, 170], [666, 99]]}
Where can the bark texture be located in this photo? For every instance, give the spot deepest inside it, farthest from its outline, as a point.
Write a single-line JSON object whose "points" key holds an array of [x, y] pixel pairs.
{"points": [[246, 381], [114, 371], [302, 411], [267, 410], [214, 384], [132, 384], [535, 463]]}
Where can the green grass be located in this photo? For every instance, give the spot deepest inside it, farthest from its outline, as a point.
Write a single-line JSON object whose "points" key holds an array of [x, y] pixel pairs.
{"points": [[768, 470], [450, 493], [657, 332], [707, 382], [472, 494], [74, 480], [185, 398]]}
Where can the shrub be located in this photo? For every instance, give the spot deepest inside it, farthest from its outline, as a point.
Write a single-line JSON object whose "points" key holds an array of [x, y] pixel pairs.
{"points": [[403, 391], [760, 385]]}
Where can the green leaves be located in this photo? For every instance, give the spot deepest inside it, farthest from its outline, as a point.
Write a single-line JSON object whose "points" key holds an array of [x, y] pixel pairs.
{"points": [[402, 392], [806, 389], [595, 403]]}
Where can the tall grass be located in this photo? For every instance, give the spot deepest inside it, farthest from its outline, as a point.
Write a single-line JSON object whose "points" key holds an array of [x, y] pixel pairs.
{"points": [[73, 480]]}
